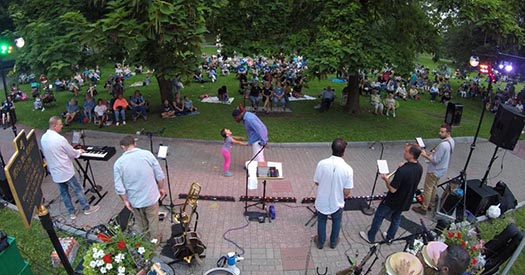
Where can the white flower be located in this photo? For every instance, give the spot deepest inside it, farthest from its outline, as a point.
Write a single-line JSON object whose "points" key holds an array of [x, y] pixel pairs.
{"points": [[154, 241], [121, 269], [93, 264], [100, 263], [94, 250], [109, 266], [103, 270], [141, 250], [119, 258]]}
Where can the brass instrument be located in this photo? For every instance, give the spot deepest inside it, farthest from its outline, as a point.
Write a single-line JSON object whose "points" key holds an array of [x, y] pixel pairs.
{"points": [[391, 174], [190, 205]]}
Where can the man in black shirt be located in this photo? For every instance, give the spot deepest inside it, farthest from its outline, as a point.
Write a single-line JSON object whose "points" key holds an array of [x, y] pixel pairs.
{"points": [[400, 193]]}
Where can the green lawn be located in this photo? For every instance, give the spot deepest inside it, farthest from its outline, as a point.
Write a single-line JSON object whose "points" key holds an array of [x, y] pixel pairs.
{"points": [[304, 124]]}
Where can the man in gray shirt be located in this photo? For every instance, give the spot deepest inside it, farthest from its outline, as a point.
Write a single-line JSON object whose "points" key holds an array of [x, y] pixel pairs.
{"points": [[439, 159], [139, 182]]}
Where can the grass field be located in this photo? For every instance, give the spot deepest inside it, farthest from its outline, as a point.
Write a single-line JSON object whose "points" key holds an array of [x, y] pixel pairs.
{"points": [[304, 124]]}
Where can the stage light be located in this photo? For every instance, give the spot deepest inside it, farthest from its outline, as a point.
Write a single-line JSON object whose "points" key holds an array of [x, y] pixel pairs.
{"points": [[485, 69], [508, 68], [474, 61], [500, 66]]}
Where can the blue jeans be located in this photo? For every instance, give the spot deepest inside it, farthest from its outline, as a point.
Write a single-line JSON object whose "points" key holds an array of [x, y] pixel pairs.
{"points": [[121, 113], [79, 193], [382, 212], [337, 218]]}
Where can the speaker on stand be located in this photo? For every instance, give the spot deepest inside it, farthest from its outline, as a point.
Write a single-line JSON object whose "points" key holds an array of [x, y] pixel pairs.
{"points": [[453, 114], [507, 127]]}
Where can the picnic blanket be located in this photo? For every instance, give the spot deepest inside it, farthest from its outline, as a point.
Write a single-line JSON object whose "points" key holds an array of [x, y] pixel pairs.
{"points": [[306, 97], [214, 99], [137, 84]]}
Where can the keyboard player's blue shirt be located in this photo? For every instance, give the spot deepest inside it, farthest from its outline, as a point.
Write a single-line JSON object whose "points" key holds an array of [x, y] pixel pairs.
{"points": [[136, 174]]}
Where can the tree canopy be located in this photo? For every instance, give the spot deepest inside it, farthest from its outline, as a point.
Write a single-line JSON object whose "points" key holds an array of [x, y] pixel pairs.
{"points": [[167, 35]]}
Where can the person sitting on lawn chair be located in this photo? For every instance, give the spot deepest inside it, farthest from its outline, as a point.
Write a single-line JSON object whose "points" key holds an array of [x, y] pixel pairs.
{"points": [[72, 111]]}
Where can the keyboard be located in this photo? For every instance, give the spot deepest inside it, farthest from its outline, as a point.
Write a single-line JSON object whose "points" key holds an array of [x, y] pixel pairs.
{"points": [[103, 153]]}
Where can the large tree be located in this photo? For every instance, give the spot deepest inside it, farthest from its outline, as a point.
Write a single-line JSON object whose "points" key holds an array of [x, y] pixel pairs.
{"points": [[163, 35], [331, 34]]}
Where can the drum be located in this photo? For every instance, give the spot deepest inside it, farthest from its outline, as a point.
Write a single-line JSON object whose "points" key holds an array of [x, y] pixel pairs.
{"points": [[393, 262], [429, 256]]}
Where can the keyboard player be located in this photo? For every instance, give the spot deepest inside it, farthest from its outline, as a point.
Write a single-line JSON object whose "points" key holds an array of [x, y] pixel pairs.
{"points": [[59, 155]]}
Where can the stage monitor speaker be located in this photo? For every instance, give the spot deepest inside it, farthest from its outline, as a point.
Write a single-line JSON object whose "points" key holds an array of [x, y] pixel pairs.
{"points": [[453, 114], [507, 127], [480, 197]]}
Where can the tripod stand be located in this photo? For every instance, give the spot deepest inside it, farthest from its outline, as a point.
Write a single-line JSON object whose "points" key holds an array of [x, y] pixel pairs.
{"points": [[163, 152]]}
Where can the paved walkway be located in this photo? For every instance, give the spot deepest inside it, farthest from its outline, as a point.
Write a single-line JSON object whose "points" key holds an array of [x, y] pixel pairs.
{"points": [[282, 246]]}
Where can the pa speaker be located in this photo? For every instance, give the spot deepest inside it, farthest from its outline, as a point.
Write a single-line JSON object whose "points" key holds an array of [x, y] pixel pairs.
{"points": [[507, 127], [480, 197], [453, 114]]}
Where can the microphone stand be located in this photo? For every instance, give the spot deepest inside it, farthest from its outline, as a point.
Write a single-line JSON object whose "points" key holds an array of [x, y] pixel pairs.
{"points": [[171, 206], [369, 210], [246, 206], [150, 136]]}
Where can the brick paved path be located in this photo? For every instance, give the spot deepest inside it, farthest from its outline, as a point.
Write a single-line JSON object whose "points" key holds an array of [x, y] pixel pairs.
{"points": [[282, 246]]}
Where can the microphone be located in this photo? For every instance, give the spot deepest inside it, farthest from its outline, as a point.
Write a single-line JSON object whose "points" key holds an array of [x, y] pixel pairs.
{"points": [[371, 146], [427, 235]]}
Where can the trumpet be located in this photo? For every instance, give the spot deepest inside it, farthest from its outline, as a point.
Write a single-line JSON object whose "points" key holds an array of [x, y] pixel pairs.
{"points": [[391, 174]]}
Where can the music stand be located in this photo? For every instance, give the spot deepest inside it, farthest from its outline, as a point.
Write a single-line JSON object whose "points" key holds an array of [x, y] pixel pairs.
{"points": [[369, 210], [150, 136], [262, 167], [163, 152]]}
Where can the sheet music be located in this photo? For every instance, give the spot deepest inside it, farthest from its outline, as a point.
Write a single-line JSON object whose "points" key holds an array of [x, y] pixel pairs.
{"points": [[76, 137], [163, 152], [252, 175], [420, 142], [382, 166]]}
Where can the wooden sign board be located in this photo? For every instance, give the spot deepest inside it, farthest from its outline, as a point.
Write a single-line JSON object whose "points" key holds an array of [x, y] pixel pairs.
{"points": [[25, 173]]}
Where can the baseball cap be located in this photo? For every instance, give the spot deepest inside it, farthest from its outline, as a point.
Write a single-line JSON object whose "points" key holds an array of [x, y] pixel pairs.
{"points": [[236, 112]]}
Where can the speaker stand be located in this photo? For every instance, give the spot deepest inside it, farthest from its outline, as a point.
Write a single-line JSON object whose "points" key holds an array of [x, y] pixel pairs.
{"points": [[484, 180]]}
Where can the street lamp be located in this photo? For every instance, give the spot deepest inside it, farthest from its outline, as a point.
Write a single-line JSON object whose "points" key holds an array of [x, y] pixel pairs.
{"points": [[6, 49]]}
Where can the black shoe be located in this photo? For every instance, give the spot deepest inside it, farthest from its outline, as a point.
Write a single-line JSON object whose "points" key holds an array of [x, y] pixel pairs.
{"points": [[335, 245], [316, 241]]}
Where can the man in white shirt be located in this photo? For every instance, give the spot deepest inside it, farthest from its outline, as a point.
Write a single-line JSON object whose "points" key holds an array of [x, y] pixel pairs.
{"points": [[59, 155], [334, 178]]}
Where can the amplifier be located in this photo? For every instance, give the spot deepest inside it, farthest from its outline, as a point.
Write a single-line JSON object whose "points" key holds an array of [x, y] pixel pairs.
{"points": [[480, 197]]}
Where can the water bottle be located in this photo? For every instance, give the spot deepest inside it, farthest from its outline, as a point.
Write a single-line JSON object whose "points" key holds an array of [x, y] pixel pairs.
{"points": [[271, 209]]}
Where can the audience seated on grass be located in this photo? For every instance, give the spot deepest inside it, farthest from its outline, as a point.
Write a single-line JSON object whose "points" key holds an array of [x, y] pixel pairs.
{"points": [[8, 112], [87, 107], [138, 106], [167, 110], [178, 105], [188, 106], [267, 92], [101, 112], [254, 96], [37, 103], [222, 94], [375, 101], [72, 111], [279, 97], [119, 109]]}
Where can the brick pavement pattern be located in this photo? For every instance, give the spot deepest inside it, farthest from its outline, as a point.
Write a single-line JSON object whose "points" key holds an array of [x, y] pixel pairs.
{"points": [[282, 246]]}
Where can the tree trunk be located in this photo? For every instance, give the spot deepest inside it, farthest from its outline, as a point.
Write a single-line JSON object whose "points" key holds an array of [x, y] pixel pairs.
{"points": [[165, 87], [352, 102]]}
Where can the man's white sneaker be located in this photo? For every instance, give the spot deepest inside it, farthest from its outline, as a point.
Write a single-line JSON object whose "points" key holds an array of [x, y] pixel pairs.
{"points": [[92, 209]]}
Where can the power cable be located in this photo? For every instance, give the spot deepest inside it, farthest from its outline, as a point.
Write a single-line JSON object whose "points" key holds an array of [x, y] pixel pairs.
{"points": [[233, 229]]}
